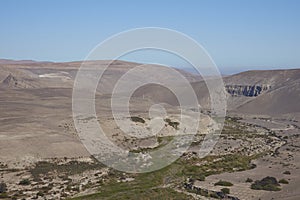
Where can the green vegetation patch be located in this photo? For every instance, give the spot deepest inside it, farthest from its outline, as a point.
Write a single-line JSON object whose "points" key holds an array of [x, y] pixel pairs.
{"points": [[70, 168], [268, 183], [24, 182], [223, 183], [144, 186], [3, 196], [217, 165], [225, 190], [139, 194], [283, 181], [151, 185]]}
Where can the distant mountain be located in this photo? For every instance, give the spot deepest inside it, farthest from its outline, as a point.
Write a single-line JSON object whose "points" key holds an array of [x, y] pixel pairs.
{"points": [[264, 92], [8, 61]]}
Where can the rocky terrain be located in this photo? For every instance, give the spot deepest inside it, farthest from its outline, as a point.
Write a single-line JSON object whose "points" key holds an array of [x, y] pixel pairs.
{"points": [[247, 90]]}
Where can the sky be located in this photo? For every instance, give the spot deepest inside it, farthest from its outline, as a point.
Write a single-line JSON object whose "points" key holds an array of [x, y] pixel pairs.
{"points": [[238, 34]]}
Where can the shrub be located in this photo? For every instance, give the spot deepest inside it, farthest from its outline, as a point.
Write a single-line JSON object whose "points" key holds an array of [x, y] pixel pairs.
{"points": [[24, 182], [213, 195], [225, 190], [201, 178], [137, 119], [3, 195], [249, 180], [268, 183], [173, 124], [223, 183], [287, 172], [283, 181], [3, 187], [40, 193]]}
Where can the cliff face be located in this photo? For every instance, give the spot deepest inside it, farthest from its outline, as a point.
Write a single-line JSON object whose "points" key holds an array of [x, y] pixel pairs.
{"points": [[246, 90]]}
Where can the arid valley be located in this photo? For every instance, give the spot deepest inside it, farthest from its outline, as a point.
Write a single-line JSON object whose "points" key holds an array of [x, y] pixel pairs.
{"points": [[257, 155]]}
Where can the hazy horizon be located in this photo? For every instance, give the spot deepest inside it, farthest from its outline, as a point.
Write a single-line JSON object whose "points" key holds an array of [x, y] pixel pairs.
{"points": [[237, 35]]}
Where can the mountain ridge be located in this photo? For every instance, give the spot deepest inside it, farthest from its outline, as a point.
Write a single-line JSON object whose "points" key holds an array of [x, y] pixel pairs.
{"points": [[249, 92]]}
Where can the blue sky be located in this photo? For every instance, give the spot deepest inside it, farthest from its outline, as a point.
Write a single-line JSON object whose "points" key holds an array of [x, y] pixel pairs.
{"points": [[238, 34]]}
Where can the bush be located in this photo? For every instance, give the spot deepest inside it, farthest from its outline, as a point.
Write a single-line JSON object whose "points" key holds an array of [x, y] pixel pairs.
{"points": [[24, 182], [3, 187], [3, 195], [201, 178], [173, 124], [268, 183], [283, 181], [225, 190], [223, 183], [138, 119], [213, 195], [249, 180]]}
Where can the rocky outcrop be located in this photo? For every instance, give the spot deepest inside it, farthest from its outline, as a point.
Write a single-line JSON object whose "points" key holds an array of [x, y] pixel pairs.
{"points": [[190, 187], [247, 90], [12, 82]]}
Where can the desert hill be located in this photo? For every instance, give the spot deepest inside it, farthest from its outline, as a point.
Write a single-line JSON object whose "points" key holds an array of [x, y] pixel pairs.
{"points": [[36, 106], [266, 92], [270, 92]]}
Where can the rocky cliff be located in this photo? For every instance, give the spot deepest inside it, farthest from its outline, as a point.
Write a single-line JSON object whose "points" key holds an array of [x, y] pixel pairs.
{"points": [[246, 90]]}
